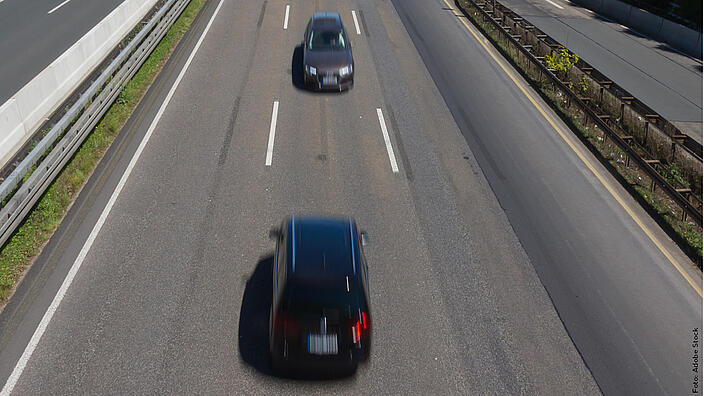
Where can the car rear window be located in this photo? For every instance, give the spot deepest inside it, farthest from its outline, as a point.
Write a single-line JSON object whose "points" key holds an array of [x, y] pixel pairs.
{"points": [[327, 40], [304, 298]]}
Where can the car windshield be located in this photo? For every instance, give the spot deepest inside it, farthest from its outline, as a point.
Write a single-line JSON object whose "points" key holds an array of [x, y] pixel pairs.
{"points": [[327, 40]]}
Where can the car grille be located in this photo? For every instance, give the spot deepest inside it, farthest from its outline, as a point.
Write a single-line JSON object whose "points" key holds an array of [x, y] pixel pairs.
{"points": [[329, 79]]}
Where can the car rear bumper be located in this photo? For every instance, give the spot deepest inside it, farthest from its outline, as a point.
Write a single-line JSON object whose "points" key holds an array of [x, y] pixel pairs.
{"points": [[316, 367], [300, 363]]}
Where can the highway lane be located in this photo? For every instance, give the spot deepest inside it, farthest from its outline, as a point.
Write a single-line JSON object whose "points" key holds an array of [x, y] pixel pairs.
{"points": [[172, 296], [627, 309], [31, 38], [667, 81]]}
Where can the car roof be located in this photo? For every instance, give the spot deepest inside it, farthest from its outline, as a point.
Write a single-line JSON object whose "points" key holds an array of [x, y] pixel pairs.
{"points": [[325, 20], [322, 248]]}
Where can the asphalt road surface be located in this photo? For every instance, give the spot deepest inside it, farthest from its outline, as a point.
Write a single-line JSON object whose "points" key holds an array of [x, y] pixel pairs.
{"points": [[550, 289], [31, 38], [664, 79]]}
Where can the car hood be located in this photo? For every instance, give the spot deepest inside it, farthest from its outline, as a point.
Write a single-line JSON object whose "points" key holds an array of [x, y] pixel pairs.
{"points": [[328, 60]]}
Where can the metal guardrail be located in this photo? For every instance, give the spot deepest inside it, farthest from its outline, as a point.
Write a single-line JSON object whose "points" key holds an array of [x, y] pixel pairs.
{"points": [[675, 136], [52, 153], [688, 209]]}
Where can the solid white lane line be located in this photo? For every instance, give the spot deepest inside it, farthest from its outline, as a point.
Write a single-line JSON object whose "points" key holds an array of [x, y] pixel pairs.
{"points": [[58, 6], [288, 7], [41, 328], [387, 141], [272, 133], [356, 24], [556, 5]]}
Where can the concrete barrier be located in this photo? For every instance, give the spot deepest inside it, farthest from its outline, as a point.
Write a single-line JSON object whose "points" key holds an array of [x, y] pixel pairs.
{"points": [[594, 5], [27, 109], [650, 24], [615, 10], [679, 37]]}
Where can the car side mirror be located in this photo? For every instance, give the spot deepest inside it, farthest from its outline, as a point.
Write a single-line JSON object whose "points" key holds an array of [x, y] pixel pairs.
{"points": [[365, 239], [274, 233]]}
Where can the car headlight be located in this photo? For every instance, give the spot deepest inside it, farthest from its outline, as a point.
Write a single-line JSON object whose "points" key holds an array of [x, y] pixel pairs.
{"points": [[311, 70], [346, 70]]}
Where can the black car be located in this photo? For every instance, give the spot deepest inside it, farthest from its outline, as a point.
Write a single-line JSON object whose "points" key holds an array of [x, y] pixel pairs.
{"points": [[319, 318], [327, 53]]}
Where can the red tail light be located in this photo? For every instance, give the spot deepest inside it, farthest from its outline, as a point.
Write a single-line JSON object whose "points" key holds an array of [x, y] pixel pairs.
{"points": [[360, 328], [286, 324]]}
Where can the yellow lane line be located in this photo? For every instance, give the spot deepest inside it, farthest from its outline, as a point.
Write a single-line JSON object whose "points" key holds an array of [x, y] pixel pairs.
{"points": [[601, 179]]}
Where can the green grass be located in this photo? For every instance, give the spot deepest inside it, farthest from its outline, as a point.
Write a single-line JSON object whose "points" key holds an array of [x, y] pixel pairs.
{"points": [[28, 240], [689, 231]]}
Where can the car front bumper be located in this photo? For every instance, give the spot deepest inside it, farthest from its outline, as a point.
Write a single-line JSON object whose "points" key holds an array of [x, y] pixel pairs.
{"points": [[341, 83]]}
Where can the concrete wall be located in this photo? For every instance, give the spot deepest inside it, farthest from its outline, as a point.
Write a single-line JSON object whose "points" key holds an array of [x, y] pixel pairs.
{"points": [[25, 111], [680, 37]]}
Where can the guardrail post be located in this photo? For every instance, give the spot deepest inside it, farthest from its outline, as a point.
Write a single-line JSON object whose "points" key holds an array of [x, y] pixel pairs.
{"points": [[674, 149]]}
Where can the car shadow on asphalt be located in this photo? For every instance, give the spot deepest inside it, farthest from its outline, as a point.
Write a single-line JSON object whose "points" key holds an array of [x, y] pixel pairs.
{"points": [[253, 330]]}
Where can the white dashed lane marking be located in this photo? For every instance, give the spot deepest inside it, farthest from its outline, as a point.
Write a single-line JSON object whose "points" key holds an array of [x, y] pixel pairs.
{"points": [[356, 24], [387, 140], [58, 6], [272, 133]]}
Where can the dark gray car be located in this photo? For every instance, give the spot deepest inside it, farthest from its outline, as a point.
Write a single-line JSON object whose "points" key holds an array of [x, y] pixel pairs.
{"points": [[327, 53]]}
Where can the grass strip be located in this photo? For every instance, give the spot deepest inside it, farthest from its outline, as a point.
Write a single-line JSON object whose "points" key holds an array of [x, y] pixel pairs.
{"points": [[663, 209], [39, 225]]}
